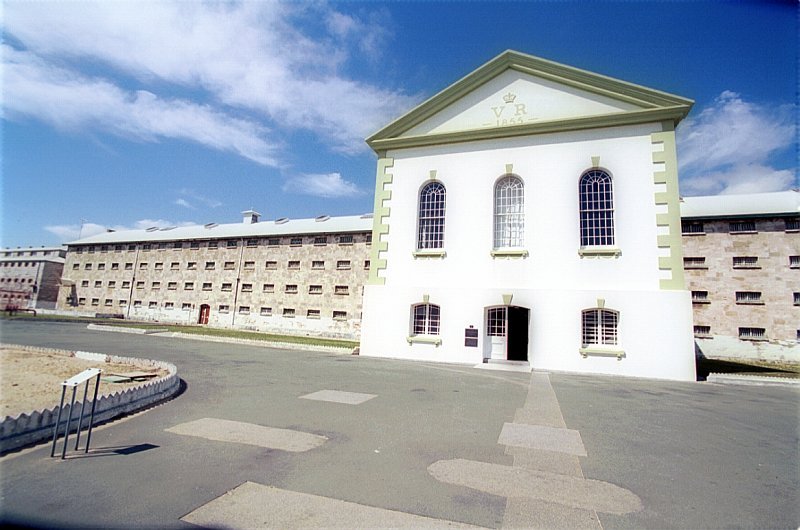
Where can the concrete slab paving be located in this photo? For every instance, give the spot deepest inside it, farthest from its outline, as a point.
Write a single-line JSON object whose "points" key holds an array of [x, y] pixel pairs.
{"points": [[253, 506], [338, 396], [250, 434], [522, 512], [542, 437]]}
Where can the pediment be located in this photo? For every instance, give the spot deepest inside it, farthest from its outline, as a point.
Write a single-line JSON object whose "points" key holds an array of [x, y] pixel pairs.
{"points": [[516, 94]]}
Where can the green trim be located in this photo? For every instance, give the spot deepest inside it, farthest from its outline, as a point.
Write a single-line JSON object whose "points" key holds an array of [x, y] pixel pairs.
{"points": [[380, 143], [601, 352], [644, 97], [671, 220], [509, 253], [599, 252], [436, 341], [429, 253], [380, 221]]}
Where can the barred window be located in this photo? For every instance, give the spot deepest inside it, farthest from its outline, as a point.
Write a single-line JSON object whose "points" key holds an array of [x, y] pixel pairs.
{"points": [[748, 297], [702, 331], [599, 327], [745, 262], [700, 297], [695, 262], [509, 212], [596, 209], [742, 226], [425, 319], [346, 239], [430, 230], [752, 333], [792, 225]]}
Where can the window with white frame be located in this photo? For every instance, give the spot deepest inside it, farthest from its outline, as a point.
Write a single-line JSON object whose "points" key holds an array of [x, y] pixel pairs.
{"points": [[430, 228], [599, 327], [596, 194], [496, 322], [426, 319], [509, 212]]}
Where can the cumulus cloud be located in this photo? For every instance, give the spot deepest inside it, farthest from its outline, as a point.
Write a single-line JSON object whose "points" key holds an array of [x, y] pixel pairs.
{"points": [[728, 146], [71, 232], [327, 185], [279, 62], [189, 198]]}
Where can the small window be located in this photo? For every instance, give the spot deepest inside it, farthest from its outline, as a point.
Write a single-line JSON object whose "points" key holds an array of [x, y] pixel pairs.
{"points": [[108, 302], [224, 308], [252, 243], [745, 262], [194, 245], [346, 239], [143, 265], [126, 285], [137, 303], [103, 248], [343, 265], [293, 265], [188, 286], [172, 286], [87, 267], [131, 248], [752, 333], [118, 248], [271, 265], [273, 242], [366, 265], [152, 305], [98, 283], [230, 265], [140, 285], [91, 250], [425, 319], [288, 312], [174, 266], [694, 263], [207, 286], [112, 284], [192, 265], [793, 225], [177, 245], [266, 311], [692, 228], [321, 240], [122, 303], [244, 309], [796, 298], [291, 289], [247, 287], [249, 265], [146, 247], [129, 266], [115, 266], [101, 266], [341, 289], [317, 265], [312, 313], [268, 288], [369, 239], [186, 306], [700, 297], [76, 266], [95, 301], [81, 301], [314, 289], [296, 241], [227, 286], [159, 266], [156, 285], [742, 227], [210, 265], [702, 331], [340, 315], [232, 243], [79, 250], [748, 297], [162, 246], [794, 262], [212, 245]]}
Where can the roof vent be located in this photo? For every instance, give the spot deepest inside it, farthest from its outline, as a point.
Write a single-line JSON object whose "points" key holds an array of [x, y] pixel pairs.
{"points": [[250, 217], [152, 229], [210, 225], [366, 216], [168, 228], [282, 220], [322, 218]]}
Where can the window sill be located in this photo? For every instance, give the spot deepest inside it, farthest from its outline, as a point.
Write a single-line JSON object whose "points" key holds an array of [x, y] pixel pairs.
{"points": [[743, 232], [509, 253], [755, 339], [436, 341], [429, 253], [749, 303], [690, 234], [702, 335], [746, 267], [599, 252], [701, 301], [695, 268], [596, 351]]}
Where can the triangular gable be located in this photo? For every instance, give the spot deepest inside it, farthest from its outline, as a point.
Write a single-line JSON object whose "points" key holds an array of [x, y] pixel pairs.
{"points": [[516, 94]]}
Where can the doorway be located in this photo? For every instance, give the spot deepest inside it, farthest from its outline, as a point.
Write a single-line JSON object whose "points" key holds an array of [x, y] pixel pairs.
{"points": [[205, 310], [507, 331]]}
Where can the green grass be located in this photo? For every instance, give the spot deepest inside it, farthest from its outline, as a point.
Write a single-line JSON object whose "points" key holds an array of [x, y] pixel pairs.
{"points": [[194, 330]]}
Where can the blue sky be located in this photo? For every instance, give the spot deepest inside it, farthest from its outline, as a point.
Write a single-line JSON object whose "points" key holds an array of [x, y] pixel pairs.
{"points": [[125, 115]]}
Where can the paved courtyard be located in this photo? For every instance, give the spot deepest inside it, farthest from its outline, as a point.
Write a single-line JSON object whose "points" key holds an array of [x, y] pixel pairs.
{"points": [[264, 437]]}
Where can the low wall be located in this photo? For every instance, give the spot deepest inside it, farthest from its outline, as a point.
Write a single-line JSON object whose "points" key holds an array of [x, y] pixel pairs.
{"points": [[731, 348], [29, 428]]}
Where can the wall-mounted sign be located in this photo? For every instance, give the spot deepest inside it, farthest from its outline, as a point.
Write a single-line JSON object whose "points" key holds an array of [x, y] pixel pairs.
{"points": [[471, 337]]}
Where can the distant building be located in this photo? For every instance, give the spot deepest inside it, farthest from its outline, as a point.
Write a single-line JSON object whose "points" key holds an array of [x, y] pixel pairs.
{"points": [[29, 277], [301, 276], [530, 212], [741, 256]]}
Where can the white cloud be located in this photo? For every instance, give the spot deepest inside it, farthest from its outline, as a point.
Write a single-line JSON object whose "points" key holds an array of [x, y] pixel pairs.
{"points": [[184, 203], [727, 147], [187, 193], [328, 185], [71, 101], [278, 60], [71, 232]]}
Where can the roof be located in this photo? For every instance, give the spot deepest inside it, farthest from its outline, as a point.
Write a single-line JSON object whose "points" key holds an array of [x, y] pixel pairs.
{"points": [[278, 227], [780, 203], [626, 103]]}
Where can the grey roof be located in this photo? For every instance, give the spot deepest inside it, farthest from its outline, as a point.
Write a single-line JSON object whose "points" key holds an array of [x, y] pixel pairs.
{"points": [[279, 227], [749, 205]]}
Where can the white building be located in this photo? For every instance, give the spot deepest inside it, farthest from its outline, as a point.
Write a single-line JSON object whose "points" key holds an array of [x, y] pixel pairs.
{"points": [[530, 212]]}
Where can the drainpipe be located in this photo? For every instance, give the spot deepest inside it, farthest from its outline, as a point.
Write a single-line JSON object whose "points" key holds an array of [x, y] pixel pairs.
{"points": [[238, 279], [133, 282]]}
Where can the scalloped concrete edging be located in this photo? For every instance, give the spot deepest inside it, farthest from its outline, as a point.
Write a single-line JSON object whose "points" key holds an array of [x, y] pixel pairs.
{"points": [[29, 428]]}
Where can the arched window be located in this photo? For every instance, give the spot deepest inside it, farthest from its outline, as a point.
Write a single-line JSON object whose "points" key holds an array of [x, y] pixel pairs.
{"points": [[430, 231], [425, 319], [509, 212], [599, 327], [596, 209]]}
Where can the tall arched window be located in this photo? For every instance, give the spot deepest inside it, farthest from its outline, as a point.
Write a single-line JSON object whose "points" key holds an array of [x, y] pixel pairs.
{"points": [[430, 231], [596, 209], [509, 212], [425, 319], [599, 327]]}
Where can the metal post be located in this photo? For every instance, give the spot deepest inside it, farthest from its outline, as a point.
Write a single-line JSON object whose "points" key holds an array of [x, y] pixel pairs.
{"points": [[58, 421], [69, 419], [80, 418], [91, 417]]}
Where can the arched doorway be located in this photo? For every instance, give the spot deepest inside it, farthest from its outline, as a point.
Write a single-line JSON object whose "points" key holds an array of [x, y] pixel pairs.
{"points": [[205, 310], [507, 332]]}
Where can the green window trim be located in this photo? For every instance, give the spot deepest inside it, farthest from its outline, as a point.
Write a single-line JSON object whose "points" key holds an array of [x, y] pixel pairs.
{"points": [[429, 253], [601, 252], [509, 253], [421, 339], [595, 351]]}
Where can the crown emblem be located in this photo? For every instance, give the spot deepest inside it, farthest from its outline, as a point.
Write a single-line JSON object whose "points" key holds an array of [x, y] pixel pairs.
{"points": [[509, 98]]}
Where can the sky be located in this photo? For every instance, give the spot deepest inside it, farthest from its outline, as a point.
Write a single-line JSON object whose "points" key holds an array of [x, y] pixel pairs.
{"points": [[123, 114]]}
